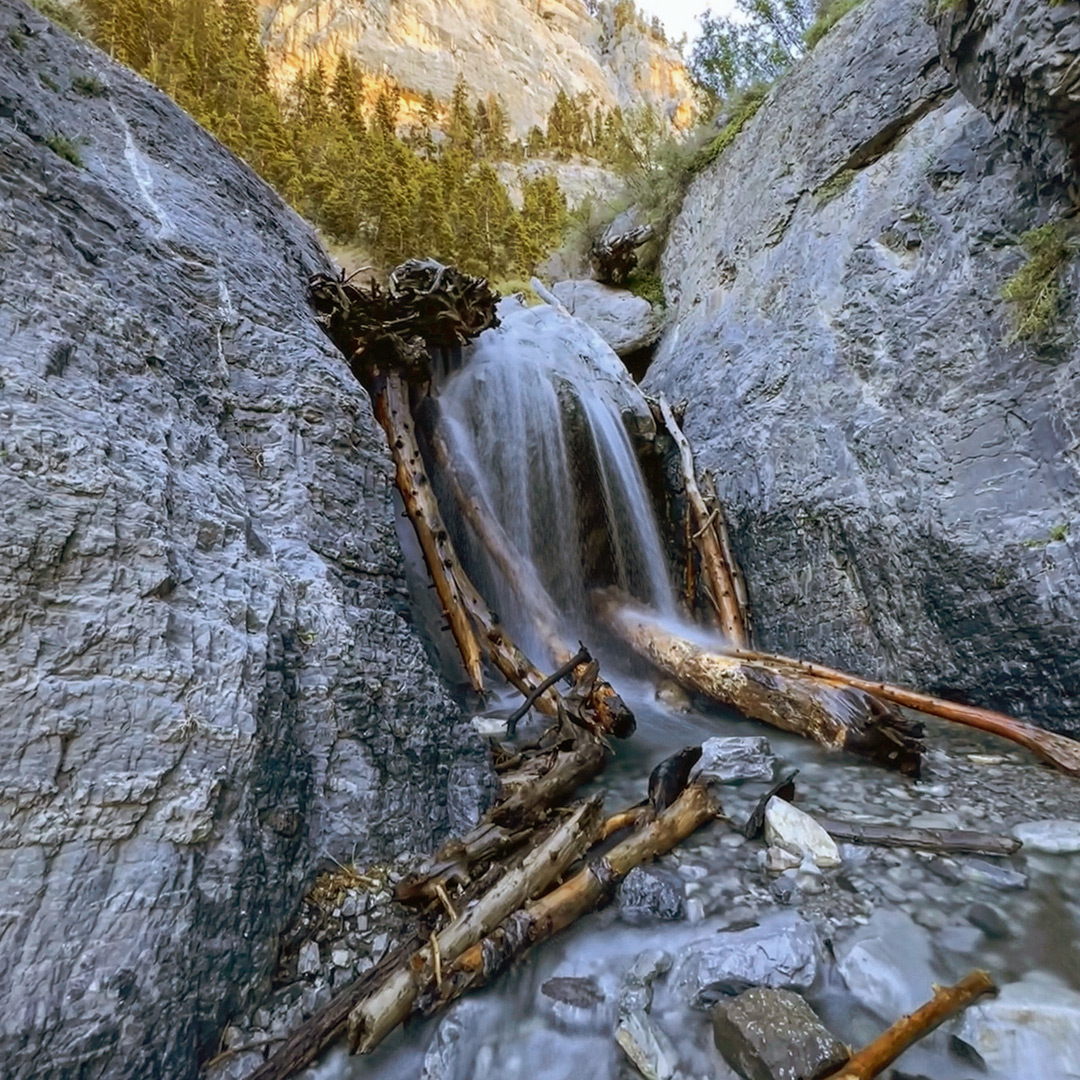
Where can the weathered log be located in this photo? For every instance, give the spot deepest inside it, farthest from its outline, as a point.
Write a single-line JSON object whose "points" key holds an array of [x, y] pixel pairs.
{"points": [[392, 412], [953, 840], [527, 799], [717, 570], [1057, 750], [613, 258], [839, 717], [372, 1019], [947, 1001], [577, 896], [723, 535]]}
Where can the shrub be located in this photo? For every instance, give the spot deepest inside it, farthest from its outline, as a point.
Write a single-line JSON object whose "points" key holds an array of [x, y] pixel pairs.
{"points": [[1035, 289], [831, 13], [743, 109], [88, 86], [648, 286], [66, 148]]}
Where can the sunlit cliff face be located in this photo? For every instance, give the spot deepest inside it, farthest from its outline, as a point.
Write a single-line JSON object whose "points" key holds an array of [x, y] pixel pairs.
{"points": [[522, 50]]}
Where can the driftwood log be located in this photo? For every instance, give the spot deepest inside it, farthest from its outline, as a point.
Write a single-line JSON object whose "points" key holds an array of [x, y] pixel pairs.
{"points": [[372, 1019], [1057, 750], [577, 896], [613, 258], [724, 583], [947, 1001], [839, 717], [951, 840]]}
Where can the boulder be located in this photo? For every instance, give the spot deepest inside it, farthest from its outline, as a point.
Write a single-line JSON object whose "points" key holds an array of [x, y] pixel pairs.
{"points": [[1030, 1030], [1054, 837], [726, 760], [648, 893], [781, 952], [768, 1034], [793, 831], [625, 321]]}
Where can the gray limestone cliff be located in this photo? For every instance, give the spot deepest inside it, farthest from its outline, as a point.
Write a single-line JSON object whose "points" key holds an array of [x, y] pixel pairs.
{"points": [[903, 480], [210, 679]]}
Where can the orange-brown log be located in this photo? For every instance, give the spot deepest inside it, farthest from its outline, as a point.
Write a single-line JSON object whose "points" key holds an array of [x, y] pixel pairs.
{"points": [[947, 1001], [717, 572], [839, 717], [392, 411], [1057, 750], [577, 896]]}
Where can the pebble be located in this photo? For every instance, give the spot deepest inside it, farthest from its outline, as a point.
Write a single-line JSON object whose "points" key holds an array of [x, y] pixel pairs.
{"points": [[341, 958], [980, 872], [989, 920], [308, 960]]}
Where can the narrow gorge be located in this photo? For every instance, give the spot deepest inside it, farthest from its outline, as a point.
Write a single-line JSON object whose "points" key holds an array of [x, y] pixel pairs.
{"points": [[287, 553]]}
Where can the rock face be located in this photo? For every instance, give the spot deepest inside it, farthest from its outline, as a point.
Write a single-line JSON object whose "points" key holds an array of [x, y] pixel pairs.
{"points": [[901, 479], [210, 678], [524, 51], [1017, 63]]}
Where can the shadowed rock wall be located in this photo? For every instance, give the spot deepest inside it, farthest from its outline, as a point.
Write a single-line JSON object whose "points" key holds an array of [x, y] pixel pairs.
{"points": [[209, 676], [903, 482]]}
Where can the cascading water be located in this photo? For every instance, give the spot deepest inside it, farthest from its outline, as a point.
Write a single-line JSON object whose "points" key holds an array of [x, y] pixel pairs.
{"points": [[537, 414]]}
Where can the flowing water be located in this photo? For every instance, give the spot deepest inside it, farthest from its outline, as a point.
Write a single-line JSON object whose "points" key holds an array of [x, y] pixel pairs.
{"points": [[539, 414]]}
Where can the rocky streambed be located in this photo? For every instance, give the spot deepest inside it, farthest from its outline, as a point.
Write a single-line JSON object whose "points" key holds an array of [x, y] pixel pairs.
{"points": [[740, 929]]}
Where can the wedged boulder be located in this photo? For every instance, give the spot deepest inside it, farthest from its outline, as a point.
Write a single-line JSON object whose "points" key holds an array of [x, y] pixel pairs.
{"points": [[210, 679], [650, 893], [899, 476], [625, 321]]}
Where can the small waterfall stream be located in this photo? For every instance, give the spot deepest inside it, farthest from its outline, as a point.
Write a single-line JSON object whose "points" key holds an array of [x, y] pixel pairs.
{"points": [[538, 414]]}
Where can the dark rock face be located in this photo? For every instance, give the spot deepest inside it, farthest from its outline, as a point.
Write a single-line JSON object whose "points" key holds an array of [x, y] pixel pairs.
{"points": [[209, 676], [901, 480], [1017, 62]]}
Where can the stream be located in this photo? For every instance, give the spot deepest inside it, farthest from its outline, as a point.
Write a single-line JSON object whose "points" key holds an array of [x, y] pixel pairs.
{"points": [[539, 412]]}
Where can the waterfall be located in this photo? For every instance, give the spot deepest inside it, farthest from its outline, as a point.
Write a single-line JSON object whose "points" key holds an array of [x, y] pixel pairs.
{"points": [[536, 414]]}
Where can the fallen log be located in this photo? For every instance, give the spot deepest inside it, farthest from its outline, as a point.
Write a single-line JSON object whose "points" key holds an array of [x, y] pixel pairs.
{"points": [[951, 840], [373, 1018], [392, 411], [947, 1001], [613, 258], [528, 797], [577, 896], [1057, 750], [717, 569], [839, 717]]}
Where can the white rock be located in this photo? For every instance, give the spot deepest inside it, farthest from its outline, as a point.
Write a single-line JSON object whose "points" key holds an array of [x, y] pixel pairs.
{"points": [[341, 957], [1030, 1030], [308, 961], [647, 1047], [1054, 837], [625, 321], [789, 828]]}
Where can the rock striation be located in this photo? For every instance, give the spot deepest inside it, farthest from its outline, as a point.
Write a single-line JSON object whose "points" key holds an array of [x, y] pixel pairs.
{"points": [[210, 677], [903, 479], [524, 51]]}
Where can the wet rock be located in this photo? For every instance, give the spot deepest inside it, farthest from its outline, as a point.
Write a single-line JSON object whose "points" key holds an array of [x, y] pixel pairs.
{"points": [[777, 860], [625, 321], [636, 991], [792, 830], [886, 964], [649, 893], [801, 312], [981, 872], [782, 952], [452, 1049], [650, 1051], [1053, 837], [1030, 1030], [308, 961], [581, 993], [989, 920], [211, 680], [728, 759], [766, 1034]]}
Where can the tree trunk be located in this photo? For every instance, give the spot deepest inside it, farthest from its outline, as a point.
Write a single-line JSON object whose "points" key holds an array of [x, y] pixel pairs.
{"points": [[839, 717]]}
